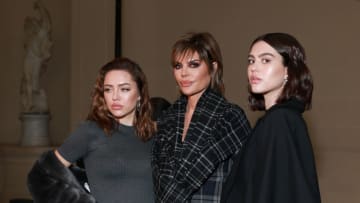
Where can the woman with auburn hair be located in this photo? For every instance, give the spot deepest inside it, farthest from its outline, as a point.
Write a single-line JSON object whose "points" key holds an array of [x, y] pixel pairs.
{"points": [[277, 164], [114, 144]]}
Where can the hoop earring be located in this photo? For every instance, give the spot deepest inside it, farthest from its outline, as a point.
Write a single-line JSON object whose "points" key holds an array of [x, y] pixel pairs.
{"points": [[285, 80], [138, 105]]}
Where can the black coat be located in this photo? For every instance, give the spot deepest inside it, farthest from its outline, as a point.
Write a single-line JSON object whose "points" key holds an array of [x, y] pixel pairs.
{"points": [[277, 164], [49, 181]]}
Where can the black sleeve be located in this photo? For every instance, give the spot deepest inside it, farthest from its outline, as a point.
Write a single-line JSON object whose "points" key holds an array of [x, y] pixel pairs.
{"points": [[50, 181]]}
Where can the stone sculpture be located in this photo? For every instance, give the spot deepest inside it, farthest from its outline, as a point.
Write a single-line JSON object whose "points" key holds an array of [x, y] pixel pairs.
{"points": [[37, 45], [35, 114]]}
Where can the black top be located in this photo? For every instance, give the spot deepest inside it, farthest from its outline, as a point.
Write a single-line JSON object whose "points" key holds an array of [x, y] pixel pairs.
{"points": [[277, 164]]}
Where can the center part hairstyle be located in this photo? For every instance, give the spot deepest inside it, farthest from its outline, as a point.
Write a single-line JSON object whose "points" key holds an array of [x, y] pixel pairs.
{"points": [[99, 113], [300, 82], [208, 49]]}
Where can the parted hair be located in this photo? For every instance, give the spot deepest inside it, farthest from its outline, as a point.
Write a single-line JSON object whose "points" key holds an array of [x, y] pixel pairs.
{"points": [[145, 127], [300, 82], [209, 51]]}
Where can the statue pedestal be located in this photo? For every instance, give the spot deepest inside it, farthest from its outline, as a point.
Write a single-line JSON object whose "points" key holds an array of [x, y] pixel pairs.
{"points": [[35, 129]]}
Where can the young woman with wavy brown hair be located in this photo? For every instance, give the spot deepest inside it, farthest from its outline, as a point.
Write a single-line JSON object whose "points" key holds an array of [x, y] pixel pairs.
{"points": [[114, 143]]}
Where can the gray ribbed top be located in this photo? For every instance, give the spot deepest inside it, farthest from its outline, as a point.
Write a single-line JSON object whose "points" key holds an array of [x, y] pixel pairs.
{"points": [[118, 167]]}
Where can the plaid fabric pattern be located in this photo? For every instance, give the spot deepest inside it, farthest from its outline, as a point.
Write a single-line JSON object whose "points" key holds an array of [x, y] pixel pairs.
{"points": [[211, 190], [194, 170]]}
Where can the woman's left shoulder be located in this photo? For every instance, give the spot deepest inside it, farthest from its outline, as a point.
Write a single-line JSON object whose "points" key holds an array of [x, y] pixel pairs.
{"points": [[284, 113], [292, 107], [282, 117]]}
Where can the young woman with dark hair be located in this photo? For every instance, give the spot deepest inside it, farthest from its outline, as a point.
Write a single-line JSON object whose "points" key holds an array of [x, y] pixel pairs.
{"points": [[277, 164]]}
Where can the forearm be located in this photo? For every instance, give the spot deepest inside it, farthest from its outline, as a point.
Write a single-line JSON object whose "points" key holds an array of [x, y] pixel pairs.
{"points": [[62, 159]]}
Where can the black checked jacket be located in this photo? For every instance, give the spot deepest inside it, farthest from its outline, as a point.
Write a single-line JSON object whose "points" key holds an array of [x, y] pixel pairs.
{"points": [[217, 131]]}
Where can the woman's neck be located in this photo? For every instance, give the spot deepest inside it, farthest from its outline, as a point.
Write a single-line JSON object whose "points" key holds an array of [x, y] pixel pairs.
{"points": [[190, 108], [270, 98]]}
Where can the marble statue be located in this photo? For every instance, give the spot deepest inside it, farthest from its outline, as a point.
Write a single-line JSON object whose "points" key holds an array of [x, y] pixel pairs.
{"points": [[37, 45]]}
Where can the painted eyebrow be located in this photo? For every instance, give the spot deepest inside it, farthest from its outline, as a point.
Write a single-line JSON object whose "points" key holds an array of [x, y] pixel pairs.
{"points": [[119, 85], [191, 60], [261, 55]]}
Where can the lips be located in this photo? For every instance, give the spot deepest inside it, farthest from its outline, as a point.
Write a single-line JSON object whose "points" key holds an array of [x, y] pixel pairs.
{"points": [[185, 83], [254, 80], [116, 106]]}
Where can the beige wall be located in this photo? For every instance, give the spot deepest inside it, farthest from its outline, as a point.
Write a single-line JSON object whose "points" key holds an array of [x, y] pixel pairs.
{"points": [[92, 45], [83, 37]]}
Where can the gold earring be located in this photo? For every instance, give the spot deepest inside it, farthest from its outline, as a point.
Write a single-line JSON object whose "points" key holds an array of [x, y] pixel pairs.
{"points": [[285, 79]]}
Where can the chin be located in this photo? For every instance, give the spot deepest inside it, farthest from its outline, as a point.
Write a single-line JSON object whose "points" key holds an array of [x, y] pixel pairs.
{"points": [[190, 93], [257, 90], [118, 116]]}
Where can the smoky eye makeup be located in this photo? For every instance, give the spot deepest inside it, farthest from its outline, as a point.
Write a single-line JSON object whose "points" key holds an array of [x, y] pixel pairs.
{"points": [[194, 63], [177, 65]]}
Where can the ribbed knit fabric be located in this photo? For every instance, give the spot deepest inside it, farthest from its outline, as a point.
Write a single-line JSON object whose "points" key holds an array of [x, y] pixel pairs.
{"points": [[118, 167]]}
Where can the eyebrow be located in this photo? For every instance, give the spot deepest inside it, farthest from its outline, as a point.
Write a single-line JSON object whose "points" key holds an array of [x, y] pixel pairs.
{"points": [[119, 85], [192, 60], [263, 54]]}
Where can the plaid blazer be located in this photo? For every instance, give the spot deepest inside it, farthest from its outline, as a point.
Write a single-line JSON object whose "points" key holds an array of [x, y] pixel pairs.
{"points": [[216, 132]]}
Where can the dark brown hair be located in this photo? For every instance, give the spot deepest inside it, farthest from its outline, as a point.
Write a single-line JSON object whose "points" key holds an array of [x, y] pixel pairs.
{"points": [[208, 49], [99, 113], [300, 82]]}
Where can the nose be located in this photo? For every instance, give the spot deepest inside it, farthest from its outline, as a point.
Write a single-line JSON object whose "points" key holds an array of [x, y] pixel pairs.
{"points": [[252, 67], [184, 71], [115, 95]]}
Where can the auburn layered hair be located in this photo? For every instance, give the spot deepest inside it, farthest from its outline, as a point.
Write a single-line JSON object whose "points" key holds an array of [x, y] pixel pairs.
{"points": [[208, 49], [144, 126]]}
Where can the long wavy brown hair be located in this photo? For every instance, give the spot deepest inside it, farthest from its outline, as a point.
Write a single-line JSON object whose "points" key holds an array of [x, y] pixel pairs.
{"points": [[144, 126]]}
